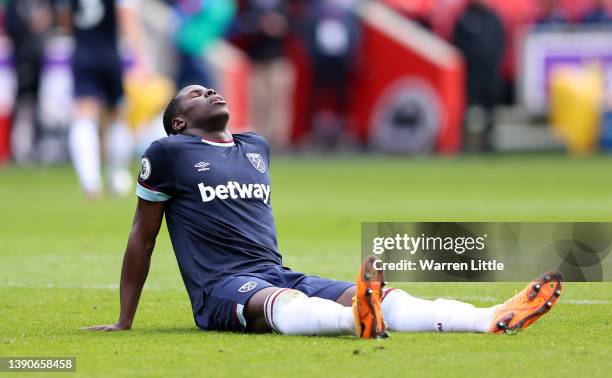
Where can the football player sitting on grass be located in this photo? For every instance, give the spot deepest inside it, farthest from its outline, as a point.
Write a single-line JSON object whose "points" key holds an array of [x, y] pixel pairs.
{"points": [[214, 189]]}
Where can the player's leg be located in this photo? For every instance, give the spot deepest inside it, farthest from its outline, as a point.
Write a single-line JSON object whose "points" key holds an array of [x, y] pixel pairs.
{"points": [[252, 304], [83, 136], [346, 298], [119, 147], [406, 313], [119, 140], [291, 312], [363, 298], [84, 144], [256, 321]]}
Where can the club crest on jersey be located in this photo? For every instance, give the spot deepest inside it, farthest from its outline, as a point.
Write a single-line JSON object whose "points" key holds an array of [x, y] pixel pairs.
{"points": [[257, 162], [145, 169], [247, 287], [202, 166]]}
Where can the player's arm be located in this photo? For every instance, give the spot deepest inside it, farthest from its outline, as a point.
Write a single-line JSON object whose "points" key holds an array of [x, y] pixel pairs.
{"points": [[136, 262]]}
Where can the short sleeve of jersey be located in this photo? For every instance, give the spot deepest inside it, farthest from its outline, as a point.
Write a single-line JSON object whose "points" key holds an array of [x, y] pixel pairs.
{"points": [[156, 181]]}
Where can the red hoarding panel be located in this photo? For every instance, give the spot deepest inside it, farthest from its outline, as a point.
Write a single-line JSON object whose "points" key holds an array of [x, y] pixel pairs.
{"points": [[409, 85]]}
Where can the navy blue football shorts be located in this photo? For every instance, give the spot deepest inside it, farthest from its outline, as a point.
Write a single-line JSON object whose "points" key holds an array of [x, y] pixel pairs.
{"points": [[98, 75], [224, 306]]}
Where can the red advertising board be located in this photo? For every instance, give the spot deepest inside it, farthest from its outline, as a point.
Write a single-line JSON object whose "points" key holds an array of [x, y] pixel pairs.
{"points": [[410, 86], [407, 89]]}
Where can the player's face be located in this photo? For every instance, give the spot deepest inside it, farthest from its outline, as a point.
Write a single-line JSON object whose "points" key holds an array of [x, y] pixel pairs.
{"points": [[202, 105]]}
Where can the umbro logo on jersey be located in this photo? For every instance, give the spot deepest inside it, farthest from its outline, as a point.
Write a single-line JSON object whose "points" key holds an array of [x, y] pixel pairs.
{"points": [[202, 166], [247, 287], [257, 162], [235, 190]]}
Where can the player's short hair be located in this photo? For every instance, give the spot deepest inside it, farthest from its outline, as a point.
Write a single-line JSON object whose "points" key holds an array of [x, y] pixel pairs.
{"points": [[173, 109]]}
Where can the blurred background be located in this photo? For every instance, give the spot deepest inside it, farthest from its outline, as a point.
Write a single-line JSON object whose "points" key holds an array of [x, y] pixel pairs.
{"points": [[326, 76]]}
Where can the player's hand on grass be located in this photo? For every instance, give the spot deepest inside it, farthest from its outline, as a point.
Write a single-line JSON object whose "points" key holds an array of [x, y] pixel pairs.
{"points": [[107, 327]]}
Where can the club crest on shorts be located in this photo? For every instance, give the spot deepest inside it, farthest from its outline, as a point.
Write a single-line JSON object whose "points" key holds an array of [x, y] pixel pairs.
{"points": [[247, 287], [145, 168], [257, 162]]}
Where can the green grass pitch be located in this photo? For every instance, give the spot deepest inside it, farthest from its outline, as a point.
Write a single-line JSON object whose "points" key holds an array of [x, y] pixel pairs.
{"points": [[60, 262]]}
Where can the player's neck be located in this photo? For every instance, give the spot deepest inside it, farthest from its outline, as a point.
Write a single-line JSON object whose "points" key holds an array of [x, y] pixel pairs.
{"points": [[215, 129], [223, 135]]}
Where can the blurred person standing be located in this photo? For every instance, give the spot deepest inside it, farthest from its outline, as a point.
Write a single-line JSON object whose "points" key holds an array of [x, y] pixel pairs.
{"points": [[98, 86], [479, 35], [332, 38], [201, 24], [261, 29], [599, 15], [27, 24]]}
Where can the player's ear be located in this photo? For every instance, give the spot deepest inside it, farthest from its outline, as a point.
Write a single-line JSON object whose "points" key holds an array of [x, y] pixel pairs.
{"points": [[178, 124]]}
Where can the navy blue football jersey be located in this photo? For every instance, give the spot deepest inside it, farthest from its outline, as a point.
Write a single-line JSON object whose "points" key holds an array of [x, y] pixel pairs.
{"points": [[95, 23], [217, 208]]}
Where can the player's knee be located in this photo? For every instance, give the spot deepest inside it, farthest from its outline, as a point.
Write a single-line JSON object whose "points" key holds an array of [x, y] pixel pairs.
{"points": [[254, 311], [283, 305], [346, 298], [258, 325]]}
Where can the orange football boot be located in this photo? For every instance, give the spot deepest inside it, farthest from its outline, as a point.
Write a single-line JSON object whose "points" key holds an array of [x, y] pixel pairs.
{"points": [[369, 323], [518, 312]]}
